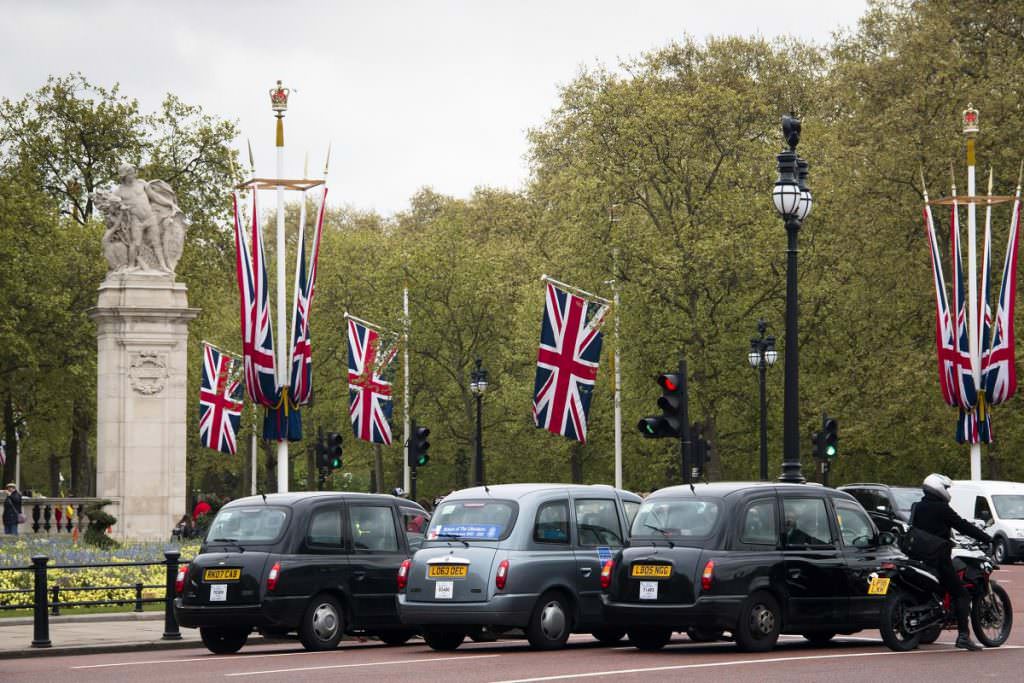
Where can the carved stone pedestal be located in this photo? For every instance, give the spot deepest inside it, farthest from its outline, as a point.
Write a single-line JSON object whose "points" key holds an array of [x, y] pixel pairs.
{"points": [[142, 333]]}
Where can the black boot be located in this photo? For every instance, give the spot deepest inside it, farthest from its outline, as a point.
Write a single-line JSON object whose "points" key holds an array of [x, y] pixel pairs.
{"points": [[964, 641]]}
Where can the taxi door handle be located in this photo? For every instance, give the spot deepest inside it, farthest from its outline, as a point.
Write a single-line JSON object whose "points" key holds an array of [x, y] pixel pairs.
{"points": [[586, 571], [359, 575]]}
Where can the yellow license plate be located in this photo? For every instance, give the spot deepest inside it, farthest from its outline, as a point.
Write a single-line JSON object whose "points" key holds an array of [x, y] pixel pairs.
{"points": [[878, 586], [651, 571], [447, 571], [222, 575]]}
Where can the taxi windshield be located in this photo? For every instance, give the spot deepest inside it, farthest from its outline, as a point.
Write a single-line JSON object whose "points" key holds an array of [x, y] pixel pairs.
{"points": [[256, 524], [905, 498], [468, 520], [675, 520]]}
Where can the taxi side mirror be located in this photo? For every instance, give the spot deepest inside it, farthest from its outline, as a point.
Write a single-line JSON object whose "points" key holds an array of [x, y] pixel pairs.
{"points": [[886, 538]]}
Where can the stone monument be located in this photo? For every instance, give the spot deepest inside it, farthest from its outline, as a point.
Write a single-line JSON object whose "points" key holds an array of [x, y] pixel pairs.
{"points": [[142, 338]]}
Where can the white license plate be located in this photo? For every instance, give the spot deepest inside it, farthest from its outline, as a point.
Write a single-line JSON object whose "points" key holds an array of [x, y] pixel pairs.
{"points": [[444, 590], [218, 592], [648, 590]]}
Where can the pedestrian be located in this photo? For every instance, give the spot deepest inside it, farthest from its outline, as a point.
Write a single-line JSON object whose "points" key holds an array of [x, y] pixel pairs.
{"points": [[201, 508], [12, 510]]}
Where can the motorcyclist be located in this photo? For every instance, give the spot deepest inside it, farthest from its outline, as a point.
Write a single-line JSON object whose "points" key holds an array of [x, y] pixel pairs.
{"points": [[934, 515]]}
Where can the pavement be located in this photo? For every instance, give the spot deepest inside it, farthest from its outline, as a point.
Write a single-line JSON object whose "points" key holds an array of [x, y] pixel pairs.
{"points": [[92, 633]]}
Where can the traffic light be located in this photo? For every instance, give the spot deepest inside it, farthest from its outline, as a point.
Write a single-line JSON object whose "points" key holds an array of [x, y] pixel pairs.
{"points": [[334, 454], [830, 437], [418, 446], [701, 449], [670, 422], [321, 453], [818, 441]]}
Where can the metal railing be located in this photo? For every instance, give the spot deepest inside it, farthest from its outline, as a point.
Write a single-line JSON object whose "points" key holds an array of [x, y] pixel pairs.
{"points": [[43, 604]]}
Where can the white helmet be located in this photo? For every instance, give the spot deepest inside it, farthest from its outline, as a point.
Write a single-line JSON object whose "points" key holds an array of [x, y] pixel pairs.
{"points": [[937, 485]]}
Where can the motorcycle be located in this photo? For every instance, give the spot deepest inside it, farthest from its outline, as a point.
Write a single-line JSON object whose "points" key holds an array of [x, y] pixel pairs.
{"points": [[917, 609]]}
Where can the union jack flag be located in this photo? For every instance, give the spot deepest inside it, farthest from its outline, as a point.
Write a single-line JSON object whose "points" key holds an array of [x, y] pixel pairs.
{"points": [[567, 362], [3, 451], [967, 391], [944, 331], [220, 402], [370, 405], [999, 372], [257, 335], [302, 350]]}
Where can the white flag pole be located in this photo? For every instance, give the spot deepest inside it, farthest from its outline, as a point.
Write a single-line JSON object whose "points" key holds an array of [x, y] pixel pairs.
{"points": [[406, 475], [282, 348], [972, 289]]}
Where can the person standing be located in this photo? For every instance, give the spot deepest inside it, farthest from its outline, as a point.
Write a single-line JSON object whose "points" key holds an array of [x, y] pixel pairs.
{"points": [[12, 510]]}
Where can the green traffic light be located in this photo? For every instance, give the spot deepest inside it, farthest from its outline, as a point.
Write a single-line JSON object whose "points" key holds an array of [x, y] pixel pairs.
{"points": [[422, 460], [335, 463], [830, 451]]}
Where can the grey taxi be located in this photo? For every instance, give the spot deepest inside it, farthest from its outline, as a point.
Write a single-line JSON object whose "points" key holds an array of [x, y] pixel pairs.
{"points": [[516, 556]]}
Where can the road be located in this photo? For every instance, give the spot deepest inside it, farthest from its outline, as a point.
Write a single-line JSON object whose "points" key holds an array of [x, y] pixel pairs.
{"points": [[861, 657]]}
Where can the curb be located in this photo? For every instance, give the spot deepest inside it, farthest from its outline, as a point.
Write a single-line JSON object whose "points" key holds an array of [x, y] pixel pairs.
{"points": [[106, 648], [72, 618]]}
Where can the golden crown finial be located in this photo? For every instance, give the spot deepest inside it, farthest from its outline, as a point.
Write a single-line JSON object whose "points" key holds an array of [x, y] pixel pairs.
{"points": [[279, 99], [970, 117]]}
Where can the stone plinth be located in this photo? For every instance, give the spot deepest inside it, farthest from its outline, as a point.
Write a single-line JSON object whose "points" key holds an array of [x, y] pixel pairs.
{"points": [[142, 338]]}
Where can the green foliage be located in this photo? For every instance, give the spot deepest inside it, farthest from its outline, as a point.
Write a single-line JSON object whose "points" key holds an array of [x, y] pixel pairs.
{"points": [[99, 521]]}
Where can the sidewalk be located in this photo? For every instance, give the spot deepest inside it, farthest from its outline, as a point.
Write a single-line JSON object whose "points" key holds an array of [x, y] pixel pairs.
{"points": [[91, 633]]}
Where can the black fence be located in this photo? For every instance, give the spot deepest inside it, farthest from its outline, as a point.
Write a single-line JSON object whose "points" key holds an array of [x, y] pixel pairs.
{"points": [[47, 599]]}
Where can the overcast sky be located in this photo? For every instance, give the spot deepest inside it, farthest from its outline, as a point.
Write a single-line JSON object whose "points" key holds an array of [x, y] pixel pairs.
{"points": [[435, 93]]}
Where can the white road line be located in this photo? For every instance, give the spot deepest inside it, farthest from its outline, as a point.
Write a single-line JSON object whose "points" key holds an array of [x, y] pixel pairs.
{"points": [[208, 658], [353, 666], [738, 662]]}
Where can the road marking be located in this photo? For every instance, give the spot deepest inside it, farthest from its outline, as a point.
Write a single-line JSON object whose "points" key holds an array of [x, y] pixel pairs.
{"points": [[353, 666], [738, 662], [208, 658]]}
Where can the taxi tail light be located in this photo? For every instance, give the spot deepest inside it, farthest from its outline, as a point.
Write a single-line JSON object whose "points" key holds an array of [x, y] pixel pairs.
{"points": [[888, 565], [606, 574], [275, 571], [501, 578], [179, 581], [403, 575], [707, 576]]}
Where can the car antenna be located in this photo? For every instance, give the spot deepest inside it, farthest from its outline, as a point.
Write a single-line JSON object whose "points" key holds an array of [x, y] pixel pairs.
{"points": [[487, 489], [264, 497]]}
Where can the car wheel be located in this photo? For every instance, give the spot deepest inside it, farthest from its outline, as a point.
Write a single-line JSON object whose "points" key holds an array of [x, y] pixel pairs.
{"points": [[323, 624], [609, 636], [930, 635], [551, 622], [819, 637], [395, 637], [893, 626], [999, 550], [223, 641], [759, 623], [650, 639], [699, 634], [443, 641], [992, 617]]}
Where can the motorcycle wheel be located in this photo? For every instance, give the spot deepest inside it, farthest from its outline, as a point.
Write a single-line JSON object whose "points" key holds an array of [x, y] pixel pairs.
{"points": [[929, 636], [992, 617], [892, 626]]}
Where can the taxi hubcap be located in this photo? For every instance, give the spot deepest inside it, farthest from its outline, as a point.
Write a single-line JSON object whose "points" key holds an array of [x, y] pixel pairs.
{"points": [[762, 620], [325, 622], [552, 620]]}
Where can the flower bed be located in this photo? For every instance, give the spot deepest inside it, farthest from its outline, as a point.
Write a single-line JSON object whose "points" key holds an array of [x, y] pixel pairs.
{"points": [[18, 553]]}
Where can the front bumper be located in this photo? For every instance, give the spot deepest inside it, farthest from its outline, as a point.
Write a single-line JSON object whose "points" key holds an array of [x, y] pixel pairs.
{"points": [[273, 612], [720, 612], [500, 610]]}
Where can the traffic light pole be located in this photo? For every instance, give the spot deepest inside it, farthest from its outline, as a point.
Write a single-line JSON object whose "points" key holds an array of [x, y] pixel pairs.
{"points": [[684, 426]]}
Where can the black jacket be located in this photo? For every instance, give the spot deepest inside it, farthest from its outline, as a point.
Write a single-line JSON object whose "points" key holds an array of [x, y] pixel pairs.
{"points": [[12, 507], [935, 516]]}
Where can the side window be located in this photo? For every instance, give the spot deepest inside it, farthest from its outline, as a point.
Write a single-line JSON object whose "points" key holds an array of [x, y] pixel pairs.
{"points": [[373, 528], [324, 531], [552, 523], [760, 524], [865, 497], [414, 522], [879, 500], [981, 509], [806, 522], [597, 523], [631, 508], [853, 523]]}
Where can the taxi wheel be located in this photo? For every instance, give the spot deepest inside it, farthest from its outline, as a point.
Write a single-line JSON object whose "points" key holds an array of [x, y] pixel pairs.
{"points": [[759, 624], [223, 641], [610, 635], [650, 639], [443, 641], [323, 624], [551, 622]]}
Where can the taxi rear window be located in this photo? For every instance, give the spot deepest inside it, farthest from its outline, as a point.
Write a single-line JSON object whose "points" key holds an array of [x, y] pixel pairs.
{"points": [[256, 524], [676, 520], [469, 520]]}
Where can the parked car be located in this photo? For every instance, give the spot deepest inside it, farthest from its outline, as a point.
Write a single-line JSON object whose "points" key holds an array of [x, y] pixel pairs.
{"points": [[754, 559], [321, 564], [516, 556], [999, 507], [889, 506]]}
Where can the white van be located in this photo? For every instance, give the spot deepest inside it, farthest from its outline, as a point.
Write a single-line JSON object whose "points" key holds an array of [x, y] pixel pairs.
{"points": [[999, 505]]}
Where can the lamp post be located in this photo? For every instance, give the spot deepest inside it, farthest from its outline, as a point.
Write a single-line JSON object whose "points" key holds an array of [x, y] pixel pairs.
{"points": [[761, 357], [478, 385], [792, 199]]}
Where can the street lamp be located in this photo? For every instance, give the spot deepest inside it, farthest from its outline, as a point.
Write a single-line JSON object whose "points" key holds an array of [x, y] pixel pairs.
{"points": [[478, 385], [761, 357], [792, 199]]}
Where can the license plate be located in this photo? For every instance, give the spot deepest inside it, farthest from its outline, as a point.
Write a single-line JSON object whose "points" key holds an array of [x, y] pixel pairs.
{"points": [[654, 571], [222, 574], [219, 592], [444, 590], [878, 586], [648, 590], [447, 571]]}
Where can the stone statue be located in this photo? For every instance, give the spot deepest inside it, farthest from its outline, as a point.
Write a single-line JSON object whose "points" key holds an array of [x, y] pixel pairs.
{"points": [[145, 227]]}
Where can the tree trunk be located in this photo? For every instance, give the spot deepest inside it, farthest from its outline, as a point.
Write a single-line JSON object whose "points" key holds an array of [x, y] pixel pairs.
{"points": [[270, 451], [378, 467], [54, 475], [10, 439], [78, 449], [576, 462]]}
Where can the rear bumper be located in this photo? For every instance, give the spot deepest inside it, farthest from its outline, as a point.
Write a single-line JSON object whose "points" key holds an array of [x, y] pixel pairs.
{"points": [[1015, 548], [718, 613], [276, 612], [500, 610]]}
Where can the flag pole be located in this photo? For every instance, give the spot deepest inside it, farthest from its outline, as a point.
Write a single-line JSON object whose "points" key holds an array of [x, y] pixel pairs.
{"points": [[406, 475], [252, 453], [972, 286], [618, 375], [282, 349]]}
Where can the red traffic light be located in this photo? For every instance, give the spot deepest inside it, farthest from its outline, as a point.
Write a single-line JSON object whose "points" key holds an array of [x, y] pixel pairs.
{"points": [[669, 382]]}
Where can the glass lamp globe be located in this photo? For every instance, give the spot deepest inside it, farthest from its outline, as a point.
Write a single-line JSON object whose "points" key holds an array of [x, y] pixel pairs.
{"points": [[786, 197], [754, 358], [770, 356]]}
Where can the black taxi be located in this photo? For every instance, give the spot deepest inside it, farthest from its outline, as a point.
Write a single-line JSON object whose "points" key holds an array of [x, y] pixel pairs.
{"points": [[319, 564], [753, 559]]}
